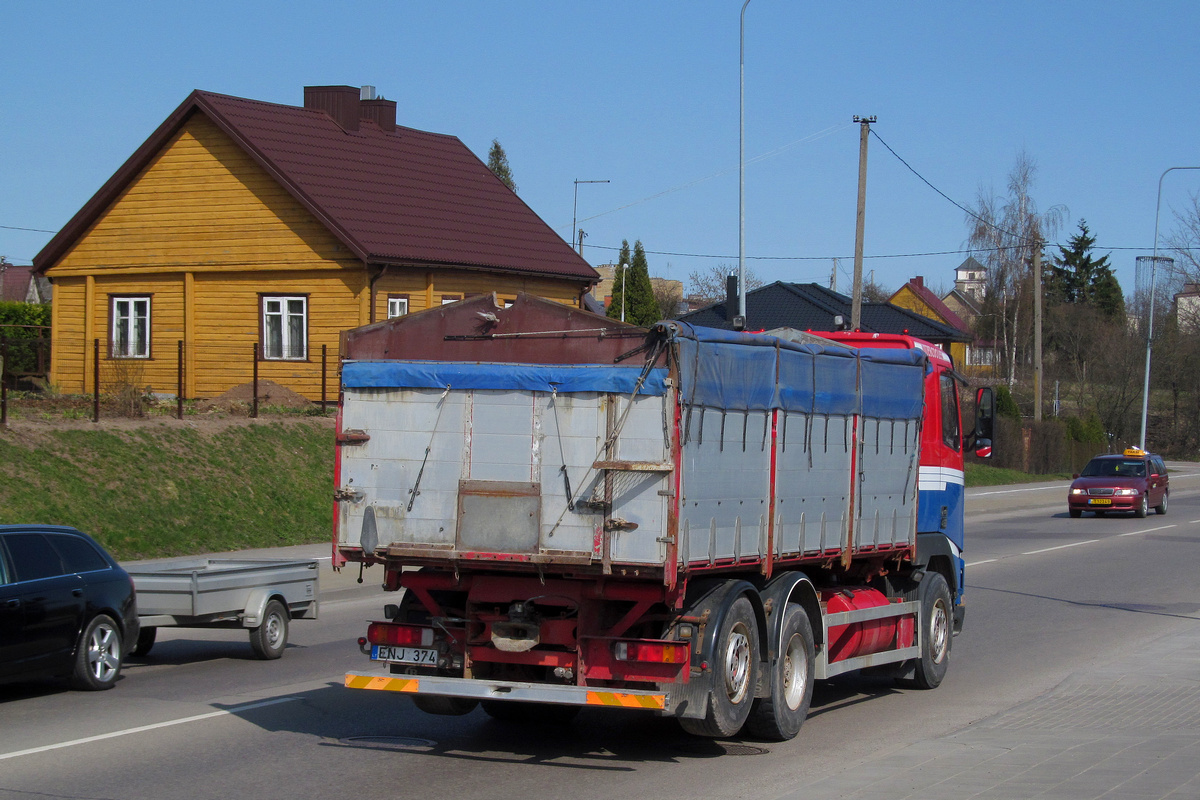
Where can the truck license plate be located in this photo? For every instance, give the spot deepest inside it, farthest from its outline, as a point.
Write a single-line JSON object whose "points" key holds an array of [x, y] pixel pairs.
{"points": [[404, 655], [1100, 501]]}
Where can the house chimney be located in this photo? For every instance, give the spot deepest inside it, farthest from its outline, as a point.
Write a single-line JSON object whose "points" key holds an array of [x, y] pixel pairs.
{"points": [[339, 102], [381, 112]]}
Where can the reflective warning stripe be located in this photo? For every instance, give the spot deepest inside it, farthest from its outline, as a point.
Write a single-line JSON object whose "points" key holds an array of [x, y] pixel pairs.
{"points": [[654, 701], [382, 682]]}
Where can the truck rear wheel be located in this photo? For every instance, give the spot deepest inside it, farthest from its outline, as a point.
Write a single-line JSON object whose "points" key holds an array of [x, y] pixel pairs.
{"points": [[735, 674], [779, 716], [936, 623]]}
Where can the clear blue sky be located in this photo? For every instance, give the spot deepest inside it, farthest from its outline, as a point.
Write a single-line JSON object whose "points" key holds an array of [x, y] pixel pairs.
{"points": [[1102, 95]]}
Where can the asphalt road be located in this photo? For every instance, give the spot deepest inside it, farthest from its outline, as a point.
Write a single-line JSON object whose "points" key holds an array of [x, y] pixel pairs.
{"points": [[1049, 598]]}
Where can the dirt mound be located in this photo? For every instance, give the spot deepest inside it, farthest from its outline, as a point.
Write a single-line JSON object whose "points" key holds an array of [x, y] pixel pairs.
{"points": [[269, 394]]}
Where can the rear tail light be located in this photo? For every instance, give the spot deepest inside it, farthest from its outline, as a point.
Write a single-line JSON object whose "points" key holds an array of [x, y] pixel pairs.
{"points": [[400, 635], [656, 652]]}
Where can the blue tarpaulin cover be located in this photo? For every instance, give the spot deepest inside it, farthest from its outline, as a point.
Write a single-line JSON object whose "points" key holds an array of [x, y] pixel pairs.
{"points": [[754, 372], [511, 377]]}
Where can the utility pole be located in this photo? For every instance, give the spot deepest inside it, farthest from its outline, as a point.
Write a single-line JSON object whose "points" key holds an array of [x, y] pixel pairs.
{"points": [[856, 299], [581, 234], [833, 276], [1037, 329], [575, 213]]}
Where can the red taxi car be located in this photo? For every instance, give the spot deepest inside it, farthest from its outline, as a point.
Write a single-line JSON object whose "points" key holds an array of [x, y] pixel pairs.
{"points": [[1131, 481]]}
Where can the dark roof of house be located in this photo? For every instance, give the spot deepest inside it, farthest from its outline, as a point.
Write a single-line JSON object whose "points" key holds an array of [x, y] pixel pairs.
{"points": [[392, 195], [812, 307], [917, 286], [14, 282]]}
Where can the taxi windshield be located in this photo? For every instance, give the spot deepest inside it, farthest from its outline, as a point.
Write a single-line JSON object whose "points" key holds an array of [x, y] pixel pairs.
{"points": [[1114, 468]]}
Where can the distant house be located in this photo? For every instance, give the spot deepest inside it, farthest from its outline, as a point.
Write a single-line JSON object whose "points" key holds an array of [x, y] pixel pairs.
{"points": [[250, 230], [812, 307], [19, 284], [663, 287], [1187, 308], [970, 279]]}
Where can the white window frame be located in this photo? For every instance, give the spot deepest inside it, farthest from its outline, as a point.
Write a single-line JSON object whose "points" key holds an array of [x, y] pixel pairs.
{"points": [[123, 340], [397, 307], [277, 312]]}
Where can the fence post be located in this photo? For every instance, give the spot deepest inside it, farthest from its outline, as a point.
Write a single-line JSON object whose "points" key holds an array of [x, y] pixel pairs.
{"points": [[254, 406], [3, 385], [96, 380], [324, 351], [179, 391]]}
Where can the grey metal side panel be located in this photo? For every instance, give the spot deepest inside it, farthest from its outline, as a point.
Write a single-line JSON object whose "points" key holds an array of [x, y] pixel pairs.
{"points": [[887, 507], [726, 478], [812, 492], [640, 498]]}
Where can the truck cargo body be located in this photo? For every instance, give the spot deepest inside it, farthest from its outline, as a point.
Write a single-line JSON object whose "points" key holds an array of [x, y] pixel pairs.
{"points": [[700, 526]]}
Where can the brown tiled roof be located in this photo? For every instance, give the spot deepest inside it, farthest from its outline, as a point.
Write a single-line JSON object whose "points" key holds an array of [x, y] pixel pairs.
{"points": [[398, 196], [14, 282]]}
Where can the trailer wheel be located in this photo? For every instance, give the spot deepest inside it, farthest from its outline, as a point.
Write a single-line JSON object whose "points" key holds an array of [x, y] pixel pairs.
{"points": [[98, 655], [444, 706], [529, 713], [779, 716], [270, 638], [145, 642], [735, 674], [936, 635]]}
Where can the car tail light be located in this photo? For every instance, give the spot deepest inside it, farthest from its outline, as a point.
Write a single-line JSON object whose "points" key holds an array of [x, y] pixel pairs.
{"points": [[657, 652], [400, 635]]}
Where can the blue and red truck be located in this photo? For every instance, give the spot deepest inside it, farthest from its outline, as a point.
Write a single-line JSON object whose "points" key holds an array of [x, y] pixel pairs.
{"points": [[693, 521]]}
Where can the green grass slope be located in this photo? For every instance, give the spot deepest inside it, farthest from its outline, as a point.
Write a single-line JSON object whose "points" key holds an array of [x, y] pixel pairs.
{"points": [[153, 490]]}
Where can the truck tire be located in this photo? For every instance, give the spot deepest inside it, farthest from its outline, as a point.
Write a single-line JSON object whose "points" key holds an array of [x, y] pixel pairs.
{"points": [[779, 716], [444, 706], [529, 713], [269, 639], [936, 621], [98, 655], [145, 642], [735, 674]]}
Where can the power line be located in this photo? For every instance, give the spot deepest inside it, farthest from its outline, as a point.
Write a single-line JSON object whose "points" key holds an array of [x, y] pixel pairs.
{"points": [[966, 251], [34, 230]]}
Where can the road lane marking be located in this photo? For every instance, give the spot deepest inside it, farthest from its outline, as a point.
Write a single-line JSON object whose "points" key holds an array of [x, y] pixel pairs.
{"points": [[1148, 530], [1060, 547], [1018, 491], [142, 728], [977, 563]]}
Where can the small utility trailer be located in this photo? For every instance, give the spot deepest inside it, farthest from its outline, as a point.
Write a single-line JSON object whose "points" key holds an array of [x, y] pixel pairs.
{"points": [[259, 595]]}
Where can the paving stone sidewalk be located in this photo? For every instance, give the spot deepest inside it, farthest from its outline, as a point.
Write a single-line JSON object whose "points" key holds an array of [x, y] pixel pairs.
{"points": [[1127, 731]]}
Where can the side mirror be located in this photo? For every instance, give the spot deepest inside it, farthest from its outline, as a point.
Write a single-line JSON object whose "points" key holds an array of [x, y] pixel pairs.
{"points": [[985, 414]]}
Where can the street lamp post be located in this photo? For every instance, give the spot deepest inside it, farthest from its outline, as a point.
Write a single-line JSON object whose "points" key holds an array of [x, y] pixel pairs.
{"points": [[575, 212], [1150, 327], [742, 166]]}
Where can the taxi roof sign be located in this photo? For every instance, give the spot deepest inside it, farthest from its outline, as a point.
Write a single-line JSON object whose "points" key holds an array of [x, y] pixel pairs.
{"points": [[1134, 451]]}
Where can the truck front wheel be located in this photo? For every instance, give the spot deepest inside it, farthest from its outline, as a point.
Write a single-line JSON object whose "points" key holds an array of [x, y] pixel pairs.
{"points": [[735, 674], [779, 716], [936, 631]]}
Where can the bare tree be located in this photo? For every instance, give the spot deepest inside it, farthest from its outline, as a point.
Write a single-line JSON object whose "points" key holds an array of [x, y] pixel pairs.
{"points": [[709, 284], [1004, 231]]}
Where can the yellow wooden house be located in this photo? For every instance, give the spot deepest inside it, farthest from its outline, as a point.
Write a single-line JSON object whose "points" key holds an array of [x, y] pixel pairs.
{"points": [[244, 232], [918, 298]]}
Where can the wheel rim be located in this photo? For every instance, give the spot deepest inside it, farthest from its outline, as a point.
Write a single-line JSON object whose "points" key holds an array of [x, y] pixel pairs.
{"points": [[274, 631], [737, 663], [795, 672], [104, 653], [939, 632]]}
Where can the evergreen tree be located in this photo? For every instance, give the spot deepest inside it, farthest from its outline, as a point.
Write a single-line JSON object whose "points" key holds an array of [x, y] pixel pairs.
{"points": [[642, 308], [1078, 277], [632, 290], [498, 164], [618, 288]]}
